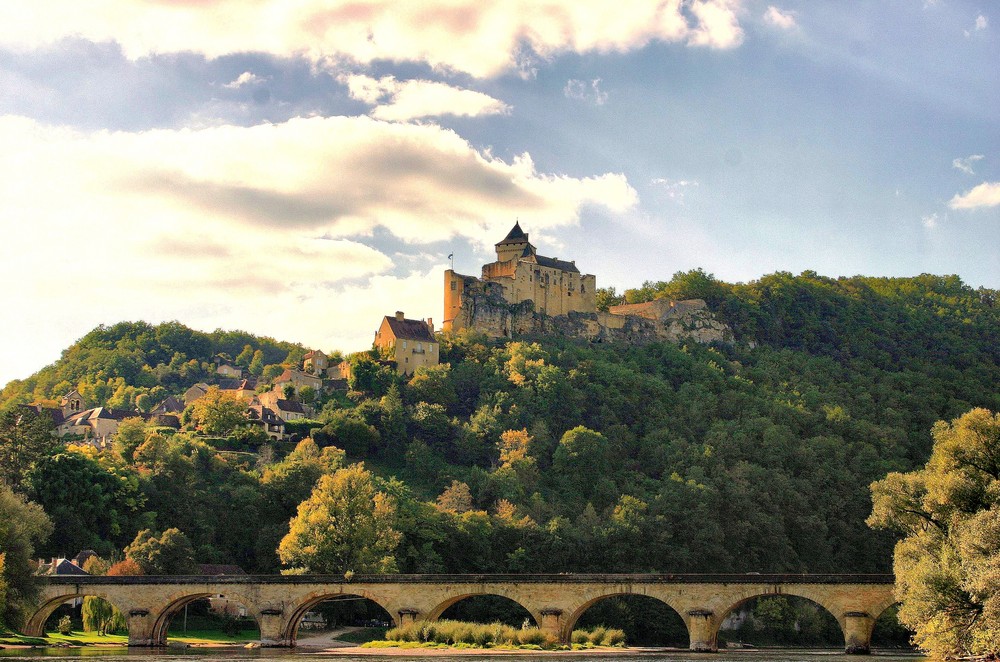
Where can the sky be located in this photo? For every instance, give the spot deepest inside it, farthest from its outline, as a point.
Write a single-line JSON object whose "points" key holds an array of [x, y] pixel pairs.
{"points": [[300, 168]]}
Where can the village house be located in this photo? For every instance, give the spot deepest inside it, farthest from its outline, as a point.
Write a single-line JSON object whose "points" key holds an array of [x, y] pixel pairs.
{"points": [[196, 391], [270, 422], [410, 343], [297, 380], [228, 370], [170, 405], [316, 363]]}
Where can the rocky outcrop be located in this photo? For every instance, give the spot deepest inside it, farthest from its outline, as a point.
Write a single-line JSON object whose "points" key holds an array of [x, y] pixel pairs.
{"points": [[485, 309]]}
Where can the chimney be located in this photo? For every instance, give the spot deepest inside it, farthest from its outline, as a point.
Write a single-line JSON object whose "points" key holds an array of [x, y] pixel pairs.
{"points": [[430, 325], [399, 315]]}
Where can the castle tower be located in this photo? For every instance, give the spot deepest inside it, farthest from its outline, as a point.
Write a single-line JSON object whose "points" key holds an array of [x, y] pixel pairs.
{"points": [[514, 244]]}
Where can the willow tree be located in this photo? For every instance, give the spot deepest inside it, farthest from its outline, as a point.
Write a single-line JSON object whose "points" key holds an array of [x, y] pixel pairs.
{"points": [[346, 525], [948, 562]]}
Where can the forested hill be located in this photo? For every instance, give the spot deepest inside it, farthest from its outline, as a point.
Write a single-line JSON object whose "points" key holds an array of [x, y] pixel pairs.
{"points": [[112, 365], [556, 456]]}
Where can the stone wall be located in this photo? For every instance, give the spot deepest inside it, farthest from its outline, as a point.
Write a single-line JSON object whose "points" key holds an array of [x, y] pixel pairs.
{"points": [[484, 308]]}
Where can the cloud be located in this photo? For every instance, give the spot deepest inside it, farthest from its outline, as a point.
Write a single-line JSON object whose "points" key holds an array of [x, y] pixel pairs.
{"points": [[929, 221], [965, 165], [479, 38], [980, 24], [589, 91], [413, 99], [264, 227], [986, 194], [675, 188], [779, 19], [245, 78]]}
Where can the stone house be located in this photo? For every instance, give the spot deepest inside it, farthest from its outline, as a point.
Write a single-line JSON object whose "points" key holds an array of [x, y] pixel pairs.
{"points": [[410, 343], [229, 370], [298, 380], [316, 363]]}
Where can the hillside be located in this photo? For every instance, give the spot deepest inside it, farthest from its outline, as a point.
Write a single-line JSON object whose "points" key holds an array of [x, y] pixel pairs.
{"points": [[754, 456]]}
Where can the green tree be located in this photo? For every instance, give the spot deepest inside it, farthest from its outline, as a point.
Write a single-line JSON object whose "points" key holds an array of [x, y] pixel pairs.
{"points": [[170, 553], [244, 358], [25, 438], [91, 507], [23, 525], [219, 412], [347, 524], [256, 366], [946, 565]]}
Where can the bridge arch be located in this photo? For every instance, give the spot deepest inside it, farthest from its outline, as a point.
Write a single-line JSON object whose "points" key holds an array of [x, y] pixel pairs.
{"points": [[574, 616], [177, 602], [35, 626], [831, 607], [310, 601], [435, 613]]}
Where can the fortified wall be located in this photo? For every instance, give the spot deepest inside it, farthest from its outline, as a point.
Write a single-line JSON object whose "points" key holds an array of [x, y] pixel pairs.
{"points": [[524, 294]]}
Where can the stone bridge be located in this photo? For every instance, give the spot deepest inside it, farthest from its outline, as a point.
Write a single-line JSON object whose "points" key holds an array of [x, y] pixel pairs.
{"points": [[277, 603]]}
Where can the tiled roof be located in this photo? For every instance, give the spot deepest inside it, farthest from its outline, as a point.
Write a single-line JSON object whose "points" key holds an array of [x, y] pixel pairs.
{"points": [[170, 405], [289, 405], [553, 263], [515, 236], [410, 329]]}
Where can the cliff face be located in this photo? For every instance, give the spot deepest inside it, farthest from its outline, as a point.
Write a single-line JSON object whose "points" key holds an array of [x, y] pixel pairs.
{"points": [[484, 309]]}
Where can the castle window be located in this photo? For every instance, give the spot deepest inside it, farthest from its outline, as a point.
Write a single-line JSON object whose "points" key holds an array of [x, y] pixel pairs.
{"points": [[453, 285]]}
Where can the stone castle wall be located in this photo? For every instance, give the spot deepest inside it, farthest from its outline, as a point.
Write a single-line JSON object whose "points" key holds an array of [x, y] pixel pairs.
{"points": [[482, 306]]}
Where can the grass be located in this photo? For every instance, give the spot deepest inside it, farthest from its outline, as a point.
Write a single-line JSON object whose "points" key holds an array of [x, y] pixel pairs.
{"points": [[56, 639], [458, 634]]}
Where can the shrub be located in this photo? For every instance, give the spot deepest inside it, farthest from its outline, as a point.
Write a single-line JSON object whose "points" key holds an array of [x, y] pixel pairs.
{"points": [[596, 636], [65, 626], [614, 637], [580, 637]]}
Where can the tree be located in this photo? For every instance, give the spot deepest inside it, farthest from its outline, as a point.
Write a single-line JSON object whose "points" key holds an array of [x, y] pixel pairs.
{"points": [[256, 366], [99, 615], [244, 358], [347, 524], [91, 507], [219, 412], [456, 499], [170, 553], [946, 565], [23, 525], [130, 435], [25, 438]]}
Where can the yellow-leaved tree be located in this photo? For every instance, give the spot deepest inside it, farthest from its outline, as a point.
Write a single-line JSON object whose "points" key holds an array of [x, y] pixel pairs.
{"points": [[346, 525], [948, 563]]}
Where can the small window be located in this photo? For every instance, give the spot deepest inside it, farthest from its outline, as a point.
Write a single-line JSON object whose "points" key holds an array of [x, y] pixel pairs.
{"points": [[453, 285]]}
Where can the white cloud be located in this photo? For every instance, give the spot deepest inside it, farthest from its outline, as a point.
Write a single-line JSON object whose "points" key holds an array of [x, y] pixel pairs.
{"points": [[413, 99], [253, 227], [980, 24], [965, 165], [717, 25], [986, 194], [779, 19], [930, 221], [245, 78], [480, 38], [589, 91], [675, 188]]}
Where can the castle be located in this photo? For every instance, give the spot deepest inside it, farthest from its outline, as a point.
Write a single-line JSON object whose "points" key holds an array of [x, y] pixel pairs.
{"points": [[554, 286], [523, 293]]}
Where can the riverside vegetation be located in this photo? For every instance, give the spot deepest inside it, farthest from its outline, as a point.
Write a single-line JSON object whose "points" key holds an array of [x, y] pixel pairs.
{"points": [[533, 455]]}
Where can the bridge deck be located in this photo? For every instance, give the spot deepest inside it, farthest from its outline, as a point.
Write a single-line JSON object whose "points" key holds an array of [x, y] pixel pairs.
{"points": [[564, 578]]}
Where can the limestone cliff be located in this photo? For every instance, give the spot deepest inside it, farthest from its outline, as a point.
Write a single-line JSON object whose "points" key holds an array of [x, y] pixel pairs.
{"points": [[484, 308]]}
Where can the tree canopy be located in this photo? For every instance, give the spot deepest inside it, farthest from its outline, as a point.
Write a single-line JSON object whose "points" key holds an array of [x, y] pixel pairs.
{"points": [[948, 563]]}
